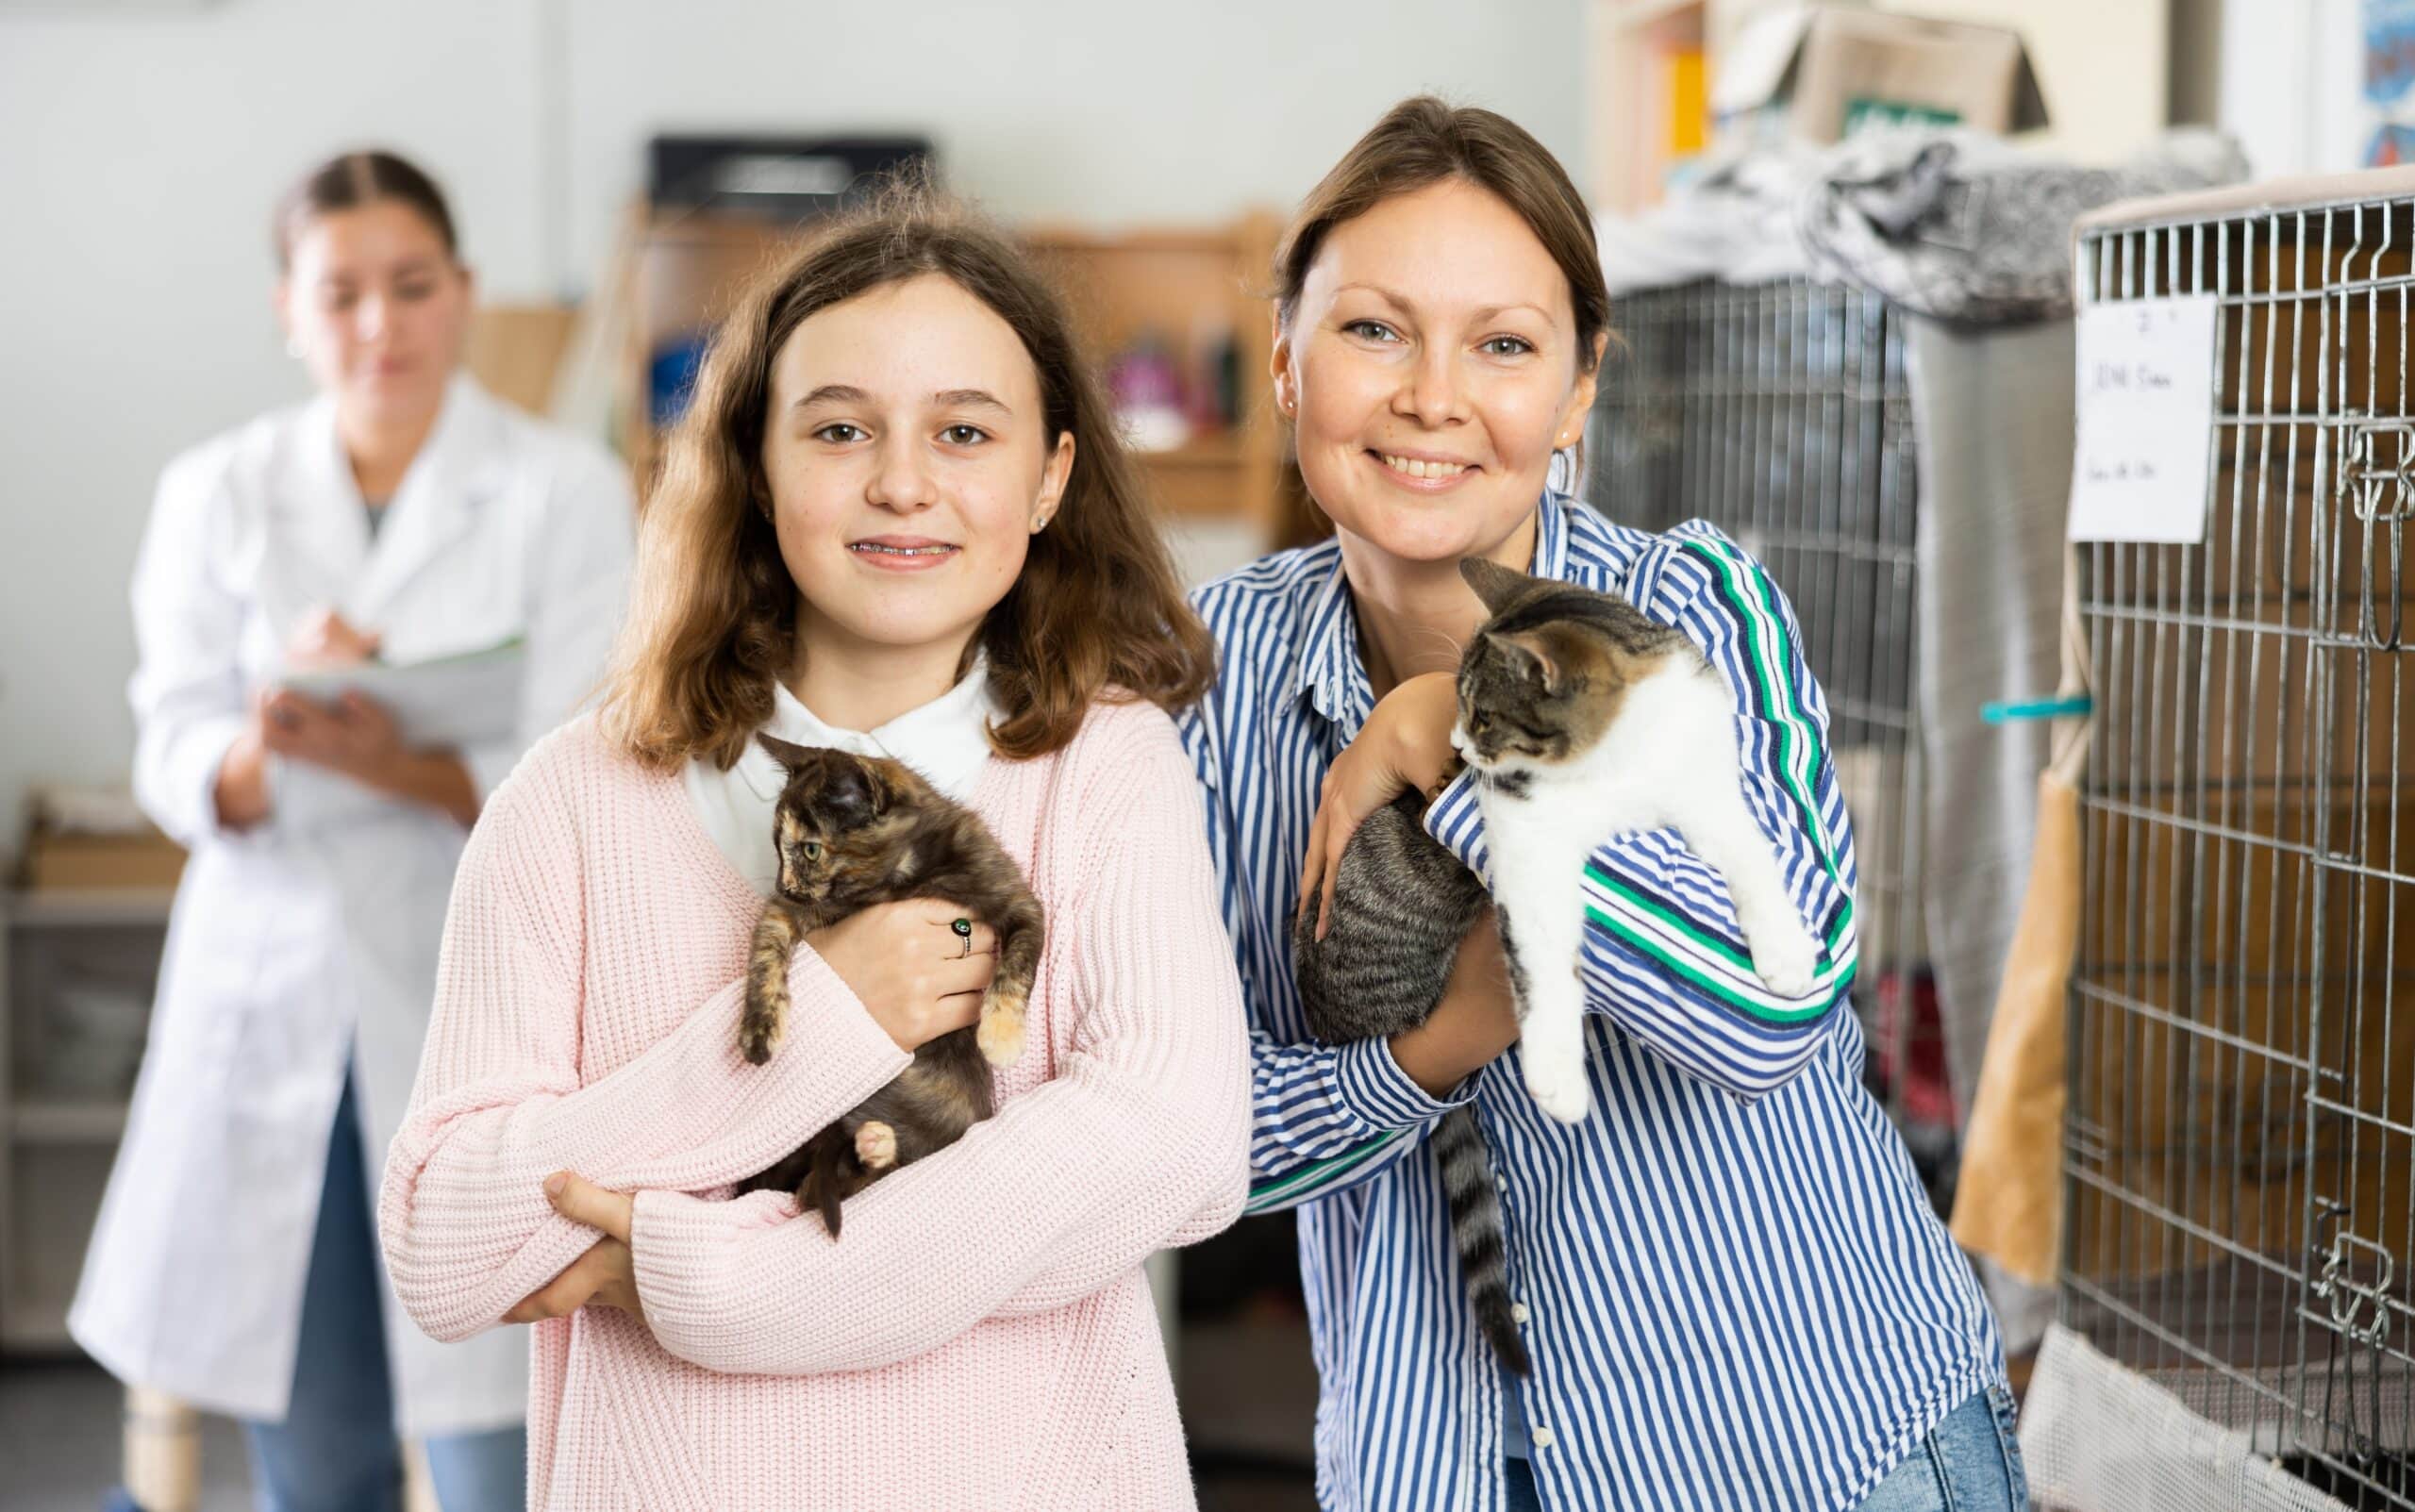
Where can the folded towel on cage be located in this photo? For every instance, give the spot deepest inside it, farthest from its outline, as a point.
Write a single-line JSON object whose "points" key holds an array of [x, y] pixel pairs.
{"points": [[1734, 221], [1961, 226], [1946, 223]]}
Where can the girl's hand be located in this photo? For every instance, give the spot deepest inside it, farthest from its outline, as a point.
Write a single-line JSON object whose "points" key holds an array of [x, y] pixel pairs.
{"points": [[605, 1275], [1406, 743], [908, 966]]}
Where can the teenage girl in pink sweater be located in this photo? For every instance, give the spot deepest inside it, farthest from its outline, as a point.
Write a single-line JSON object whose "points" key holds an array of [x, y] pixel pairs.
{"points": [[895, 519]]}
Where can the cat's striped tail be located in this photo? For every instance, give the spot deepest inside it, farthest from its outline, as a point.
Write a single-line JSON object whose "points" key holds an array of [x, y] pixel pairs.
{"points": [[1475, 1227]]}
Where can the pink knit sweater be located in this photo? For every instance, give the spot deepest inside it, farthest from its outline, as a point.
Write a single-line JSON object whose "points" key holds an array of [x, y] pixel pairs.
{"points": [[982, 1336]]}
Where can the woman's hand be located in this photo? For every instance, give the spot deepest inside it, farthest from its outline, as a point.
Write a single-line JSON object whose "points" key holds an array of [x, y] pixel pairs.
{"points": [[1475, 1021], [1405, 743], [908, 966], [240, 793], [353, 735], [323, 637], [357, 737], [605, 1275]]}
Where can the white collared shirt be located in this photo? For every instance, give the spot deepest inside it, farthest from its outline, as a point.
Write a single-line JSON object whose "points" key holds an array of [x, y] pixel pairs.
{"points": [[946, 740]]}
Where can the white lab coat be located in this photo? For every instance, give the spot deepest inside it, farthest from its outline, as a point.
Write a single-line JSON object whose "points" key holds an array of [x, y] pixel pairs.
{"points": [[312, 938]]}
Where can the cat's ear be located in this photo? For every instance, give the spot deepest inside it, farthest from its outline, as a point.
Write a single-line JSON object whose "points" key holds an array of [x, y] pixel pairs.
{"points": [[883, 786], [1498, 585], [789, 754], [1530, 659]]}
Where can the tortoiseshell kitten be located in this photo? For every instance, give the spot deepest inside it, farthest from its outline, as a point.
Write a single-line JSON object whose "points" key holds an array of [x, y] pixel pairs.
{"points": [[855, 831]]}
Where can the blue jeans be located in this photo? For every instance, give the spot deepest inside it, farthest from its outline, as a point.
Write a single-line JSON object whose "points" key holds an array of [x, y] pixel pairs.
{"points": [[336, 1450], [1968, 1463]]}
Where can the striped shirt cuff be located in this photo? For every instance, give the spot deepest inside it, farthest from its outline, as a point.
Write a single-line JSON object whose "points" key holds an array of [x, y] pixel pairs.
{"points": [[1373, 1087], [1456, 823]]}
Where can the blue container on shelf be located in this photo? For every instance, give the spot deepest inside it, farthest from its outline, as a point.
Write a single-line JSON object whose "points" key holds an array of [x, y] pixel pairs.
{"points": [[671, 377]]}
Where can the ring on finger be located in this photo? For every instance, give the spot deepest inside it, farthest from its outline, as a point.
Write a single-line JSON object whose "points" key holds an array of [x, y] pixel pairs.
{"points": [[963, 928]]}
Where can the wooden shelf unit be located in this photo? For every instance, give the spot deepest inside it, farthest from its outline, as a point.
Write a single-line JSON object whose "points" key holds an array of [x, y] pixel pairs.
{"points": [[57, 1144], [1187, 286], [1627, 96]]}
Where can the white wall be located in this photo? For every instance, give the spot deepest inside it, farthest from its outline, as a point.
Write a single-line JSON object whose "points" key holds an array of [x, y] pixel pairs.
{"points": [[2290, 86], [142, 148]]}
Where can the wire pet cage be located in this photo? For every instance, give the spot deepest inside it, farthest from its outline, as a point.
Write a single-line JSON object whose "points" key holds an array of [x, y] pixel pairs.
{"points": [[2239, 1234], [1782, 414]]}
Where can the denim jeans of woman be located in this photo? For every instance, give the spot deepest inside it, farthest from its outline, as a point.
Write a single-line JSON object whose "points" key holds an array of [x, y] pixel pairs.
{"points": [[1968, 1463], [336, 1450]]}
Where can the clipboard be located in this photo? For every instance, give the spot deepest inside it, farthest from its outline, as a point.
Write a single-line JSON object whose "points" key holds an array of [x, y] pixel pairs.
{"points": [[463, 699]]}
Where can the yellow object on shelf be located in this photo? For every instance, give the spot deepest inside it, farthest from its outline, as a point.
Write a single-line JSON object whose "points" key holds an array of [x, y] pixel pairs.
{"points": [[1689, 96]]}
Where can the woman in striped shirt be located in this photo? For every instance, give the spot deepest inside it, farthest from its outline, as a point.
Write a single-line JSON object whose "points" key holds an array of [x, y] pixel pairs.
{"points": [[1729, 1280]]}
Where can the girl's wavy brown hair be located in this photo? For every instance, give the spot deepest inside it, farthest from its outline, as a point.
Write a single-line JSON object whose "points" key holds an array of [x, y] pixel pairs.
{"points": [[1097, 612]]}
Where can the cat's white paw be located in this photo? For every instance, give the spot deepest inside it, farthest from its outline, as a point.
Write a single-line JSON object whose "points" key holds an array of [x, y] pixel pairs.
{"points": [[1000, 1035], [876, 1145], [1555, 1080], [1787, 957]]}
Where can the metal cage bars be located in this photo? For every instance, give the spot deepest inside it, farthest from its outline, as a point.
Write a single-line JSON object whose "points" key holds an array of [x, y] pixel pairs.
{"points": [[2240, 1192]]}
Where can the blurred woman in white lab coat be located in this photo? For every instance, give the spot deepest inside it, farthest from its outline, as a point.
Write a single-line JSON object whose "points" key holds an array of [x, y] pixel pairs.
{"points": [[405, 514]]}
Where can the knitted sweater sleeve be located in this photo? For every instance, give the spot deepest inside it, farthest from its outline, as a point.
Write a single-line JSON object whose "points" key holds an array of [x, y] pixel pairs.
{"points": [[502, 1101], [1140, 1139]]}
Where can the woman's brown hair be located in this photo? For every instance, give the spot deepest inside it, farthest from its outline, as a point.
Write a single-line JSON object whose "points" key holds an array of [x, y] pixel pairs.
{"points": [[1095, 613], [1423, 140], [355, 179]]}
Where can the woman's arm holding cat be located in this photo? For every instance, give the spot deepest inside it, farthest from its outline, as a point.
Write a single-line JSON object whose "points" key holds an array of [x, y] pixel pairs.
{"points": [[499, 1104], [1137, 1140], [1323, 1118]]}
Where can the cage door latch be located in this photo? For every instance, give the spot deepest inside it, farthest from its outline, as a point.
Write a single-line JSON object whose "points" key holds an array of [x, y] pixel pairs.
{"points": [[2349, 1298]]}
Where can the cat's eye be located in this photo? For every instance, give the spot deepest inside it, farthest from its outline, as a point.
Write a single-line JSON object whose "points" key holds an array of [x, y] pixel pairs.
{"points": [[812, 850]]}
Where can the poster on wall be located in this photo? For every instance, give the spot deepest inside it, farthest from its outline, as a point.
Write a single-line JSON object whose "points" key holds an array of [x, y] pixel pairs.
{"points": [[2389, 82]]}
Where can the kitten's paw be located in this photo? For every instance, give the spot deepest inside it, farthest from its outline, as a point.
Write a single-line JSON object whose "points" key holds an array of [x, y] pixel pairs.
{"points": [[1000, 1035], [1555, 1080], [758, 1034], [876, 1145], [1788, 958]]}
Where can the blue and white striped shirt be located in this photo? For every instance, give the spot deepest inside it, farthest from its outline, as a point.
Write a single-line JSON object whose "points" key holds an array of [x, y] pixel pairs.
{"points": [[1733, 1289]]}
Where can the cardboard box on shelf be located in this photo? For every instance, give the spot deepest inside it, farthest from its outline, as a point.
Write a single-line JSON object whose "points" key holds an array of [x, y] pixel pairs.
{"points": [[92, 839], [57, 862], [516, 351], [1820, 72]]}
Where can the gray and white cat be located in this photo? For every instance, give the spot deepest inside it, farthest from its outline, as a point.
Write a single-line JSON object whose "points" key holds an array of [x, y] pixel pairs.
{"points": [[1583, 718]]}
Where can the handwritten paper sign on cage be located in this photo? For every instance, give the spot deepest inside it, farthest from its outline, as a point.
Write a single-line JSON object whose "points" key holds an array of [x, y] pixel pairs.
{"points": [[2146, 417]]}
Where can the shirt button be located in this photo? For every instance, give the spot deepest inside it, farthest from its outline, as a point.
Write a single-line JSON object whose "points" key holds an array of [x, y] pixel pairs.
{"points": [[1518, 1313], [1539, 1437]]}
